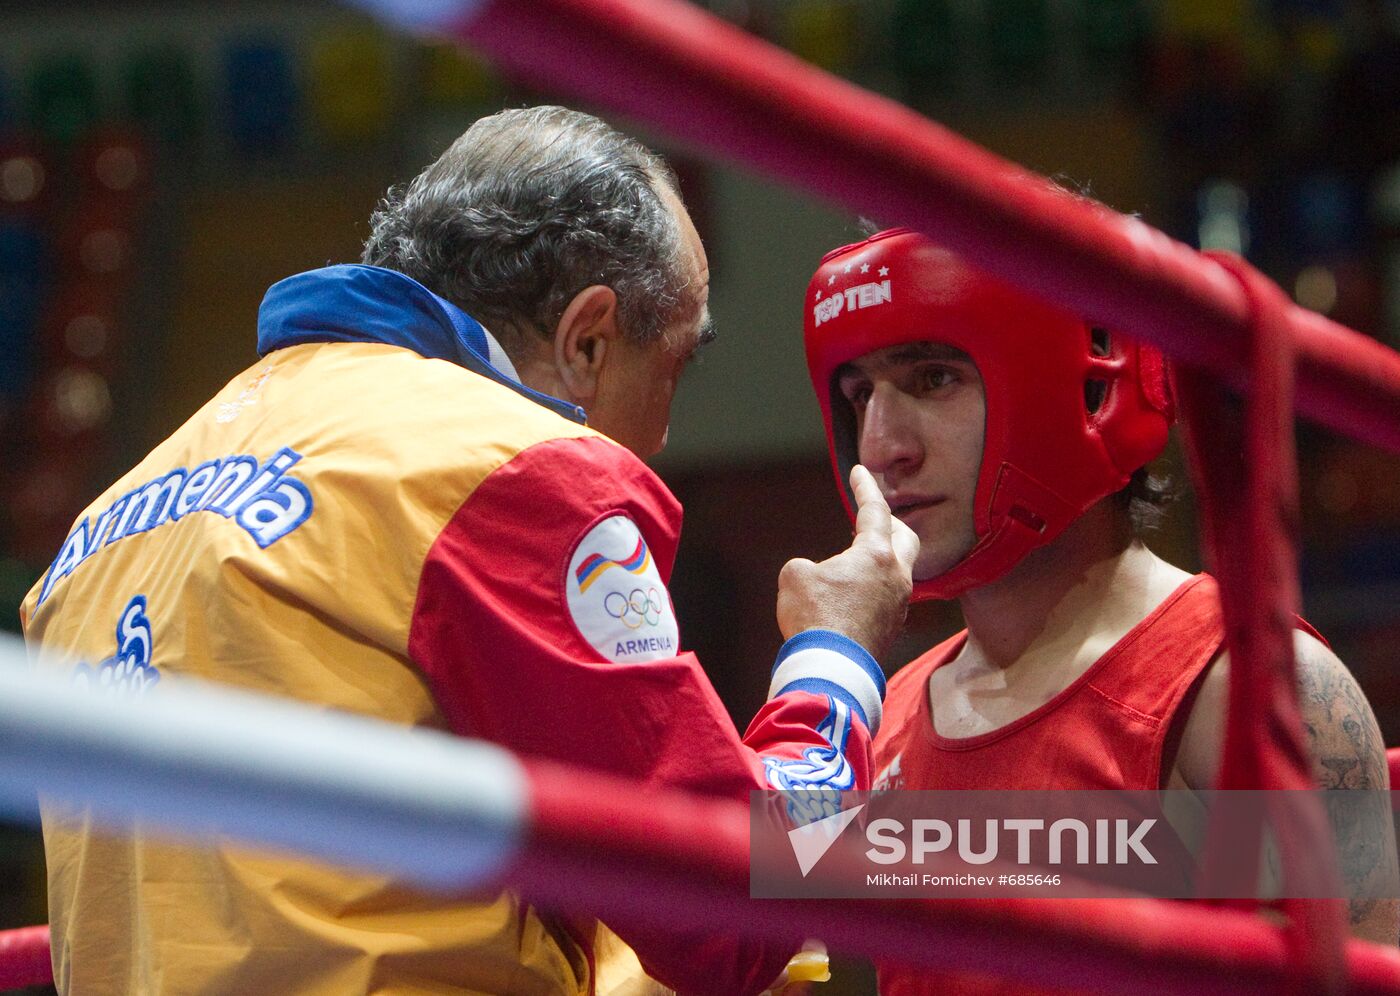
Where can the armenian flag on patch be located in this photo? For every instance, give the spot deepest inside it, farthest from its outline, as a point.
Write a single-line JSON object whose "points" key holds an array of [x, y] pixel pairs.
{"points": [[595, 564]]}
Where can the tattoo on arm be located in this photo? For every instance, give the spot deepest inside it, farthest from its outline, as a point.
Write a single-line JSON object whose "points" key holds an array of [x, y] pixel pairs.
{"points": [[1341, 729], [1348, 753]]}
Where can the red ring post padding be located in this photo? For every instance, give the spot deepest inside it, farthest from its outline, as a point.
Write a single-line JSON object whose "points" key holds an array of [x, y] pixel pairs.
{"points": [[24, 958], [703, 81]]}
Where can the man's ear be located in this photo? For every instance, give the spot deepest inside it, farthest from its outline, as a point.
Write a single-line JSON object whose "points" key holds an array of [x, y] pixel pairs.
{"points": [[581, 340]]}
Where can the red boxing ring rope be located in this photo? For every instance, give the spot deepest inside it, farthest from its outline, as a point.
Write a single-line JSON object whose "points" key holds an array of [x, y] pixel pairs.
{"points": [[24, 958], [595, 848], [673, 861], [1247, 481], [704, 81]]}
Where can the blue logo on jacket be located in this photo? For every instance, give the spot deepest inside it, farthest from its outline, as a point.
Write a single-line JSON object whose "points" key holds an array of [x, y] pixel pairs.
{"points": [[128, 672]]}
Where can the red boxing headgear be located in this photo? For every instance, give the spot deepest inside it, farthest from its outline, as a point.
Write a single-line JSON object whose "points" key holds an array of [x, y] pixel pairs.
{"points": [[1072, 411]]}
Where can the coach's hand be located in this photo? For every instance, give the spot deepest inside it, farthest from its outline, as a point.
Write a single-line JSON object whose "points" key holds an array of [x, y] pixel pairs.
{"points": [[862, 592]]}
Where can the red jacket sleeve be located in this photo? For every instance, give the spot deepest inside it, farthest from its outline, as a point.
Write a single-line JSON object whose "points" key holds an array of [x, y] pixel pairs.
{"points": [[543, 624]]}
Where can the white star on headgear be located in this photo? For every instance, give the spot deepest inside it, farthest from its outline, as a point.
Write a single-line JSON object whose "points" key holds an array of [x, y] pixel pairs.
{"points": [[819, 294], [847, 269], [831, 279], [864, 267], [884, 271]]}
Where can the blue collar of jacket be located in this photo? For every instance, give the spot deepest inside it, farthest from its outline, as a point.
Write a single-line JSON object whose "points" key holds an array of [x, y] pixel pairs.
{"points": [[355, 303]]}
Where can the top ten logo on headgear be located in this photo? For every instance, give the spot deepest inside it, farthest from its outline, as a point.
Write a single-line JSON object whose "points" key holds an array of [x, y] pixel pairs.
{"points": [[595, 565], [867, 294]]}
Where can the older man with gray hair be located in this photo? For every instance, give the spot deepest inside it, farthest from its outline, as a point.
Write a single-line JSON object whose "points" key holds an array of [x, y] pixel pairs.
{"points": [[426, 504]]}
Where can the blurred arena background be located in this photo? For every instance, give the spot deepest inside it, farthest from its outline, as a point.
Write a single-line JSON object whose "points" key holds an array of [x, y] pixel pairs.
{"points": [[162, 163]]}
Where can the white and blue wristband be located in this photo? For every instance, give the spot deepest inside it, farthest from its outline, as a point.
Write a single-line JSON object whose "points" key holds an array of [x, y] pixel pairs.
{"points": [[824, 662]]}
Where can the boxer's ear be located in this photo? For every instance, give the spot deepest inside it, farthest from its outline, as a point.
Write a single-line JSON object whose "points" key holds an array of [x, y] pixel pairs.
{"points": [[582, 338]]}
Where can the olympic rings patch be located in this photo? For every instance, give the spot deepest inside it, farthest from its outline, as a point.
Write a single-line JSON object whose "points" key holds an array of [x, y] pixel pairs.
{"points": [[634, 610], [615, 595]]}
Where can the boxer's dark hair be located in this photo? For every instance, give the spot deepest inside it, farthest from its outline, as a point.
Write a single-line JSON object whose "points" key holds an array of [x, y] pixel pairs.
{"points": [[1146, 497], [527, 208]]}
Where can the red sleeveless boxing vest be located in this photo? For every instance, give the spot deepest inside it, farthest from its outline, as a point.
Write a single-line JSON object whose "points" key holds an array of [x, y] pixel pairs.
{"points": [[1107, 730]]}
